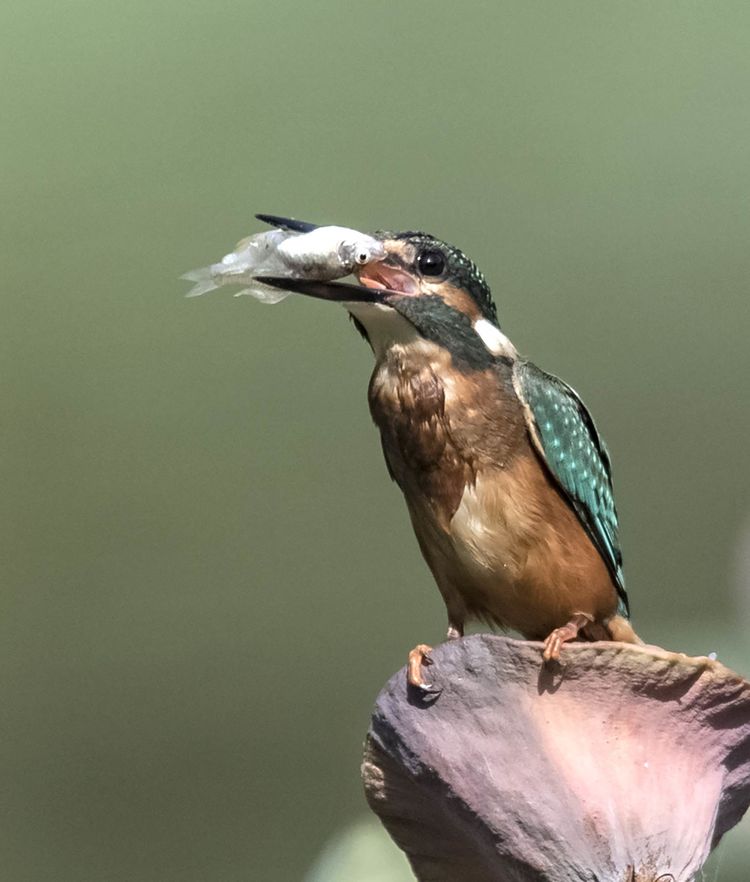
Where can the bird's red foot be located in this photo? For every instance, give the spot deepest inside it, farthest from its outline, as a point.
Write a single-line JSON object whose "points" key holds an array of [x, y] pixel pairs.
{"points": [[553, 643], [419, 656]]}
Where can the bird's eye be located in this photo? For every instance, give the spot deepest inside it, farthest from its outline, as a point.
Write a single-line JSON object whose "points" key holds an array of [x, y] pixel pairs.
{"points": [[431, 262]]}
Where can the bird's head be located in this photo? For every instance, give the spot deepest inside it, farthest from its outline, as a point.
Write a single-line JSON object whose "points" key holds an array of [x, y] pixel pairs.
{"points": [[424, 289], [433, 287]]}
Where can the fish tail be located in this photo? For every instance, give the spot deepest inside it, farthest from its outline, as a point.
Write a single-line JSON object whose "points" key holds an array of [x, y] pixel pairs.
{"points": [[204, 279]]}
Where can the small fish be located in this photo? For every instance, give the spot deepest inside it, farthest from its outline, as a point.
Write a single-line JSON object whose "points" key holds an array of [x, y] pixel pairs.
{"points": [[322, 254]]}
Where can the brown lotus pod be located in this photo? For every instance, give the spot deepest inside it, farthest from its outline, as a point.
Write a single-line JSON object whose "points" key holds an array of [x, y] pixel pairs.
{"points": [[619, 764]]}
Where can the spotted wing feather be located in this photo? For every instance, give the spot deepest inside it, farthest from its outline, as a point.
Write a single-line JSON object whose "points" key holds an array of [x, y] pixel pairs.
{"points": [[565, 436]]}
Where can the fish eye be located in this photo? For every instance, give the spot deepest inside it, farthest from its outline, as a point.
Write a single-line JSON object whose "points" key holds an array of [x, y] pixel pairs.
{"points": [[431, 262], [362, 257]]}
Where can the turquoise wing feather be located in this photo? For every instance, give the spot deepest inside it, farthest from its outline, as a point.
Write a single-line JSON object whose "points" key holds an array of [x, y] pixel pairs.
{"points": [[565, 436]]}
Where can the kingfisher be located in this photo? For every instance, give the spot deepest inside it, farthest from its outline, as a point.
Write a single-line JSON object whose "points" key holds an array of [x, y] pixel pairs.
{"points": [[506, 479]]}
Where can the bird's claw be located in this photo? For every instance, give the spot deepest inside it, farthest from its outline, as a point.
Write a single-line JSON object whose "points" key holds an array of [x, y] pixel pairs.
{"points": [[418, 657], [553, 645], [554, 641]]}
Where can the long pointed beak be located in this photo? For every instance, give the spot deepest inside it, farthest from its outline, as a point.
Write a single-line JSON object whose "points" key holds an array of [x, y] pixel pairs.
{"points": [[287, 223], [341, 292]]}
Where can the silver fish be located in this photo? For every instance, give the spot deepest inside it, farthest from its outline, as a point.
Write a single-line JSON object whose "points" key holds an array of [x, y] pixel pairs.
{"points": [[323, 254]]}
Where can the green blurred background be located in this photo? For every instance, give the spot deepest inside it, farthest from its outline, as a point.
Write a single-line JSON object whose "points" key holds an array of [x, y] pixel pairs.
{"points": [[208, 575]]}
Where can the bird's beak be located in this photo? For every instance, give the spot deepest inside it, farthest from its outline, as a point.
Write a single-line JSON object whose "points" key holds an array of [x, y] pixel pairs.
{"points": [[379, 282], [287, 223], [340, 292]]}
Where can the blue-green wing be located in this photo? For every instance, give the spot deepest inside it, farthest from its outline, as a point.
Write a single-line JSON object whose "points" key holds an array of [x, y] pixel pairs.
{"points": [[565, 436]]}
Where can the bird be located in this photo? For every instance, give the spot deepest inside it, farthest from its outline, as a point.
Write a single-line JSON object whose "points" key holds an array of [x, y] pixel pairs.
{"points": [[507, 481]]}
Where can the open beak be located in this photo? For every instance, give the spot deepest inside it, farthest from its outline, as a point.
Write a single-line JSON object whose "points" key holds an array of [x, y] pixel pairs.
{"points": [[336, 291], [379, 282], [340, 292]]}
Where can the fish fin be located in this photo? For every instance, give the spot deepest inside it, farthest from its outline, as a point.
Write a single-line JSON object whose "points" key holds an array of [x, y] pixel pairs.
{"points": [[264, 293], [204, 280]]}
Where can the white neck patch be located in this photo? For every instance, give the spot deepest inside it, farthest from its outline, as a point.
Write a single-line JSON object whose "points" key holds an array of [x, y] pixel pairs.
{"points": [[494, 339], [385, 326]]}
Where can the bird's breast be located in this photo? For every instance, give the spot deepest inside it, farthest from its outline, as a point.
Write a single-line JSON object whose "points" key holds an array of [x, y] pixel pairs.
{"points": [[440, 426], [518, 555]]}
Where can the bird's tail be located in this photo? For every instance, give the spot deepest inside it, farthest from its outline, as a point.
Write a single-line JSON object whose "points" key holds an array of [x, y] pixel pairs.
{"points": [[621, 630], [204, 279]]}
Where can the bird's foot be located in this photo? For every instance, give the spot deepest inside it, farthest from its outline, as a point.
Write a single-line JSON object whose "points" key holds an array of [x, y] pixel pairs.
{"points": [[553, 643], [419, 656]]}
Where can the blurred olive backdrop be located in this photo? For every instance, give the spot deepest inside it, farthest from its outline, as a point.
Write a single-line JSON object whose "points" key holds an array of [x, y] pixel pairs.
{"points": [[207, 573]]}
